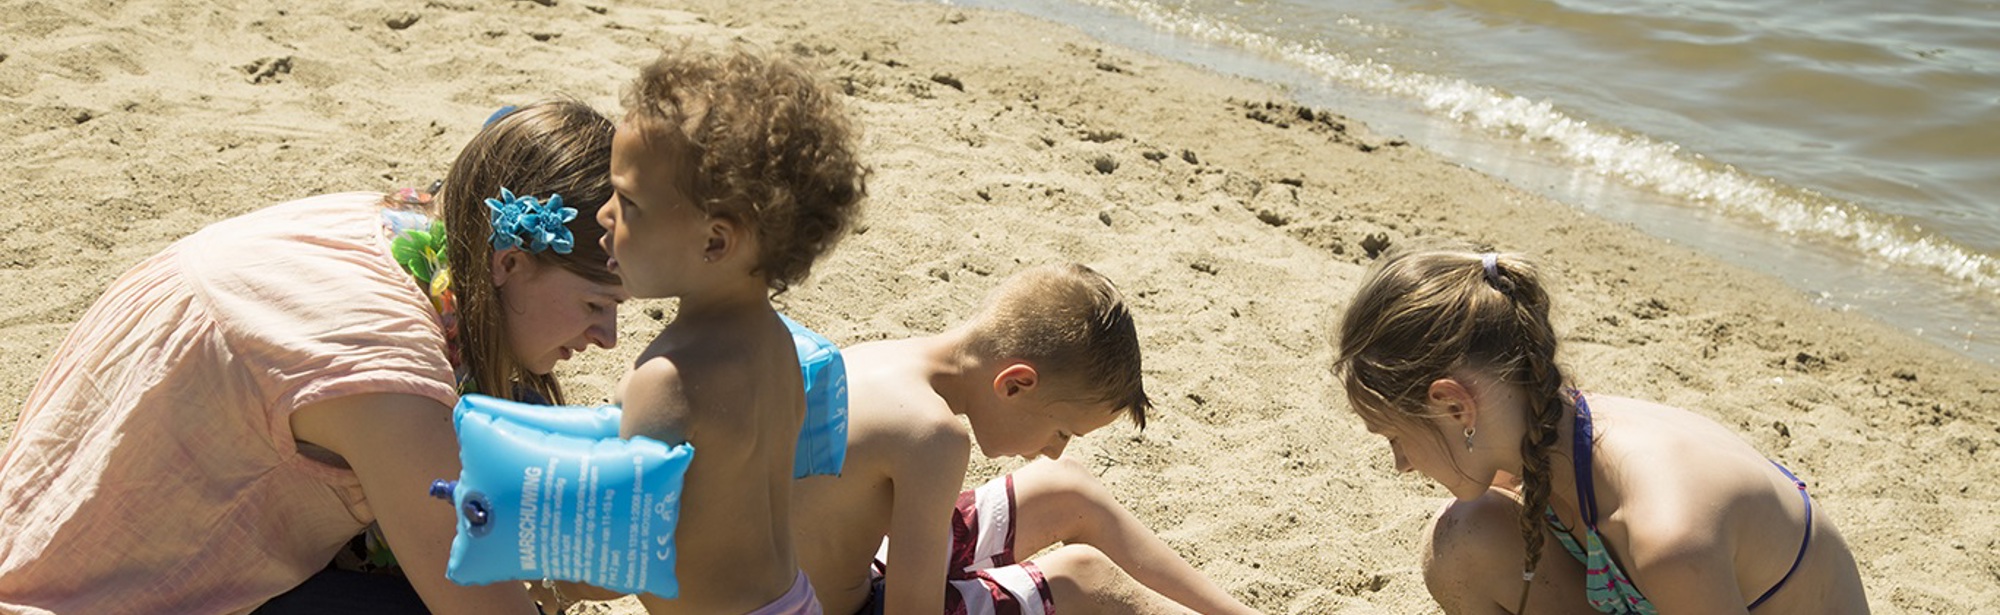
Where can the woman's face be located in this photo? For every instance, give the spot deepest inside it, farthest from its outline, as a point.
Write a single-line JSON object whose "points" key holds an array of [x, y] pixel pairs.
{"points": [[1418, 445], [553, 313]]}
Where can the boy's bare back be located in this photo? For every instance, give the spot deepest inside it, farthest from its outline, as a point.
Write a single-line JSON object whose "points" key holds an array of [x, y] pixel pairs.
{"points": [[903, 440], [732, 387], [1016, 372]]}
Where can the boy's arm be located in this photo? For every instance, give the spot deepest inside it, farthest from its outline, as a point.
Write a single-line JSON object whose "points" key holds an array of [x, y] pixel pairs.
{"points": [[925, 483], [652, 404], [655, 403]]}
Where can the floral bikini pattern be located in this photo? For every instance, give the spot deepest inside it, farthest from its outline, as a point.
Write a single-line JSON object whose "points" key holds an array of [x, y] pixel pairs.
{"points": [[1604, 585]]}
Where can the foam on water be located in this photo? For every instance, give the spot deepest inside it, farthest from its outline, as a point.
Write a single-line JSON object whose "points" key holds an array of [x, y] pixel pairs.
{"points": [[1634, 159]]}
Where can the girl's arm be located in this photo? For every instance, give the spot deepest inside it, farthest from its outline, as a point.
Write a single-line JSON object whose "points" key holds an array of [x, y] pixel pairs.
{"points": [[397, 444], [1683, 560]]}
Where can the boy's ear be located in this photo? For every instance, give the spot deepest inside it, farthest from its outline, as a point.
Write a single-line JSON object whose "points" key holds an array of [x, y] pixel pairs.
{"points": [[509, 263], [720, 240], [1448, 398], [1015, 379]]}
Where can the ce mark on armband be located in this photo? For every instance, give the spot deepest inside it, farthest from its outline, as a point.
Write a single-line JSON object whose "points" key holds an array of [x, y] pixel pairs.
{"points": [[665, 552], [666, 514]]}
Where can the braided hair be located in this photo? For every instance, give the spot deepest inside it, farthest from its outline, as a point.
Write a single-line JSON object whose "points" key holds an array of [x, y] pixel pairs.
{"points": [[1421, 315]]}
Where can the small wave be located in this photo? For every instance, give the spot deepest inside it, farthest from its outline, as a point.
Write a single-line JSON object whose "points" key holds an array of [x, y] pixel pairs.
{"points": [[1631, 158]]}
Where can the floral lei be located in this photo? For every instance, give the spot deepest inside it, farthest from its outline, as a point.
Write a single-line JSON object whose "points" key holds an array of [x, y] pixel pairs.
{"points": [[418, 244]]}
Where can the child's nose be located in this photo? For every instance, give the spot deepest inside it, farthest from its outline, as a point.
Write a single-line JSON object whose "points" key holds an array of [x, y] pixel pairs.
{"points": [[1402, 463], [605, 213], [1055, 450]]}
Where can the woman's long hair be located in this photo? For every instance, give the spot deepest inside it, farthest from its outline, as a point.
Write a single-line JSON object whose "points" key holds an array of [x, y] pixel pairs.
{"points": [[540, 150]]}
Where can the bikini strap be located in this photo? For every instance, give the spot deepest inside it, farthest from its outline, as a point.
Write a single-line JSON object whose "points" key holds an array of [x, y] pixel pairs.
{"points": [[1801, 557], [1586, 488]]}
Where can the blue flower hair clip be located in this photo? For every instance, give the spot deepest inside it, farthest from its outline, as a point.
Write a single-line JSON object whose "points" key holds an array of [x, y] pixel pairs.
{"points": [[523, 222]]}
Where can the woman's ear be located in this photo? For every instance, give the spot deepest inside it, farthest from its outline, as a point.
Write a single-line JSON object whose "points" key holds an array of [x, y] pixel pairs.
{"points": [[1015, 380], [508, 264], [1449, 398]]}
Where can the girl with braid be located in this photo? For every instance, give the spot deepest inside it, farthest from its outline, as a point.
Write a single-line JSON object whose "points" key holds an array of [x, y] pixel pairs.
{"points": [[1567, 503]]}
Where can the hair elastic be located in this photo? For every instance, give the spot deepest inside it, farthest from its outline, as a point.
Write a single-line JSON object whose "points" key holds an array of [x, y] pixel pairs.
{"points": [[497, 114], [1491, 261]]}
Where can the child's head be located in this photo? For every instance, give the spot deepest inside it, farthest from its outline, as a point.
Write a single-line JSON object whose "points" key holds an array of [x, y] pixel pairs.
{"points": [[1070, 326], [1433, 315], [550, 148], [1427, 314], [756, 141]]}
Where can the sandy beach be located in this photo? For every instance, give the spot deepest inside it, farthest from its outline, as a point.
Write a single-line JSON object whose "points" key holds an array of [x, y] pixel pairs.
{"points": [[1236, 221]]}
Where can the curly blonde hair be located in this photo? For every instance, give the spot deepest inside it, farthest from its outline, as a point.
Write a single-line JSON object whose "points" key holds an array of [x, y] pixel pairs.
{"points": [[772, 148]]}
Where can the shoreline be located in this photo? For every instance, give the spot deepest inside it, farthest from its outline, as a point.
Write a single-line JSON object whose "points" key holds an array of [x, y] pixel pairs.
{"points": [[1234, 225], [1935, 302]]}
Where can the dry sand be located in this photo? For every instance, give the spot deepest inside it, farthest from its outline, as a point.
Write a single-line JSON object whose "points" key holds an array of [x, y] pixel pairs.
{"points": [[1234, 220]]}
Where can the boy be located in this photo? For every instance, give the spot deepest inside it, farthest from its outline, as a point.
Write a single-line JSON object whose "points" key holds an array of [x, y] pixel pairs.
{"points": [[1051, 355], [731, 173]]}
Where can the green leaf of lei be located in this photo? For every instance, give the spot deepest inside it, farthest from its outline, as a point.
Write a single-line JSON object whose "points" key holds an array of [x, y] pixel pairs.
{"points": [[421, 253]]}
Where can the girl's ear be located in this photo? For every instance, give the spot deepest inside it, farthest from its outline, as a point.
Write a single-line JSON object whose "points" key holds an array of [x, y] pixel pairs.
{"points": [[508, 264], [1014, 380], [1449, 398]]}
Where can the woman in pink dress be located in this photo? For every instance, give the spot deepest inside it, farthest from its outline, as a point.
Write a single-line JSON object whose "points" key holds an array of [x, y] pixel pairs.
{"points": [[238, 407]]}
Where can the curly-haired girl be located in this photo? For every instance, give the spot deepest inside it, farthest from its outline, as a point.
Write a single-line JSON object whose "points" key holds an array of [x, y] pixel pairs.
{"points": [[734, 171]]}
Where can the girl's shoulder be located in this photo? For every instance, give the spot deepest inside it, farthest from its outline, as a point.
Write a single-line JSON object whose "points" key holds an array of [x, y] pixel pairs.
{"points": [[1670, 464]]}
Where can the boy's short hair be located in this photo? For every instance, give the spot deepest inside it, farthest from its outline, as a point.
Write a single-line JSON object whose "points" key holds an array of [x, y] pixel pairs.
{"points": [[773, 150], [1072, 325]]}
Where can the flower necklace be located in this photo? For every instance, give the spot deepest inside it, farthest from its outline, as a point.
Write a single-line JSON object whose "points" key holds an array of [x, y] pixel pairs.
{"points": [[418, 244]]}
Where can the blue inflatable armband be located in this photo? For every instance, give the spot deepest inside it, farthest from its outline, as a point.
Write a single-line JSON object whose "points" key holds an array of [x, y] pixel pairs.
{"points": [[536, 504], [822, 445], [579, 421], [551, 492]]}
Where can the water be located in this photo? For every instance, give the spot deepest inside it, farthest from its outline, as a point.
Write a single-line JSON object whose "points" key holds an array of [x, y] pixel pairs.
{"points": [[1848, 147]]}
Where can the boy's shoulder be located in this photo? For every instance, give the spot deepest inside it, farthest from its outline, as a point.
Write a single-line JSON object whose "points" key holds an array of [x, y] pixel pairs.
{"points": [[903, 420], [689, 383], [711, 357], [907, 439], [893, 413]]}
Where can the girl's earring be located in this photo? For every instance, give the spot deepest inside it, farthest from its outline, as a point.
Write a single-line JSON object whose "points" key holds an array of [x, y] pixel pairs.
{"points": [[1468, 437]]}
